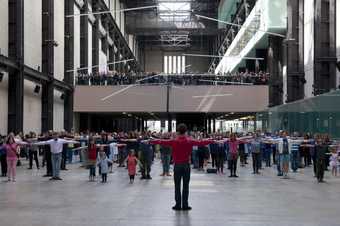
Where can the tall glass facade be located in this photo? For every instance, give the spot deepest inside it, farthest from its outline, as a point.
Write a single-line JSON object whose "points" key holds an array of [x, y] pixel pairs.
{"points": [[320, 114]]}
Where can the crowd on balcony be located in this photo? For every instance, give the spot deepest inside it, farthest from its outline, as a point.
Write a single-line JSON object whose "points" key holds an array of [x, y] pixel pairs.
{"points": [[242, 78]]}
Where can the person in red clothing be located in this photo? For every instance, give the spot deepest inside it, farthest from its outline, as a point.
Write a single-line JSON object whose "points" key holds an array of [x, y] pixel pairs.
{"points": [[181, 154], [92, 158], [132, 165]]}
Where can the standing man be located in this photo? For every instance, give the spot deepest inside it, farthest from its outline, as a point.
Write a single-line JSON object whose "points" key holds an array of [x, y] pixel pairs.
{"points": [[181, 154], [321, 148], [47, 153], [255, 152], [56, 145]]}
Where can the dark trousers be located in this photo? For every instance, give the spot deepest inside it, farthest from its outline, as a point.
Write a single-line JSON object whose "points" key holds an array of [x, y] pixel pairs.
{"points": [[48, 159], [182, 172], [320, 169], [314, 165], [220, 162], [256, 162], [213, 160], [274, 155], [92, 171], [200, 159], [267, 157], [132, 177], [233, 166], [63, 159], [104, 177], [145, 168], [33, 154], [121, 157], [3, 162]]}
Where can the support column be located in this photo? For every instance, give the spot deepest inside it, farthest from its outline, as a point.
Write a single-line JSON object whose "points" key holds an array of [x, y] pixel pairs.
{"points": [[111, 53], [47, 96], [214, 126], [84, 38], [169, 123], [325, 46], [275, 62], [69, 65], [295, 74], [142, 125], [16, 77], [209, 125], [261, 65], [95, 39]]}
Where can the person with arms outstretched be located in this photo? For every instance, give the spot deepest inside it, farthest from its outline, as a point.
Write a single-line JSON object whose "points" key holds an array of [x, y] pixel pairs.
{"points": [[181, 154]]}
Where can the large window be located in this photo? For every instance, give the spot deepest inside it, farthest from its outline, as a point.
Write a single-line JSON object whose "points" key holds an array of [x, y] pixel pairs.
{"points": [[174, 64]]}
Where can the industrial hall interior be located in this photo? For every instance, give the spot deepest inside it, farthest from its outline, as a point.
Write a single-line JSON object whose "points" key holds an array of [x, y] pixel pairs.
{"points": [[169, 112]]}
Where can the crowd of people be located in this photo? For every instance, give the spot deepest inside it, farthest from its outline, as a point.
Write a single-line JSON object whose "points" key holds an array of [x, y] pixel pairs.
{"points": [[246, 78], [185, 150]]}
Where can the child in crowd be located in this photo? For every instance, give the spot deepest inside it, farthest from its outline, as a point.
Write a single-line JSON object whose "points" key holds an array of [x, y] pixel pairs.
{"points": [[103, 163], [132, 165], [333, 161]]}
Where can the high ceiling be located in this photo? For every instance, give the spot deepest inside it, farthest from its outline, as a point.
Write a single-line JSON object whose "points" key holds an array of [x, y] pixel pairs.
{"points": [[173, 22]]}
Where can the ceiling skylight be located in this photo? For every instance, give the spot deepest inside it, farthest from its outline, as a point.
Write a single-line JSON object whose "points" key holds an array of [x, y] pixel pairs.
{"points": [[174, 10]]}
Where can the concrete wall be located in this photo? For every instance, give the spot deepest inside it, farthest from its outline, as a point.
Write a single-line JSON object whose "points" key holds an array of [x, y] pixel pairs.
{"points": [[32, 33], [59, 18], [338, 38], [4, 27], [33, 58], [153, 61], [198, 64], [58, 112], [4, 51], [32, 108], [154, 98], [309, 48]]}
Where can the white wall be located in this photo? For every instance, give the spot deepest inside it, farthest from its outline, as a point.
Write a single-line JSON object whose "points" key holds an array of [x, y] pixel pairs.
{"points": [[338, 38], [32, 108], [32, 33], [4, 51], [59, 38], [4, 27], [122, 20], [117, 13], [58, 112], [76, 40], [309, 48], [90, 48], [33, 58], [102, 60], [113, 7]]}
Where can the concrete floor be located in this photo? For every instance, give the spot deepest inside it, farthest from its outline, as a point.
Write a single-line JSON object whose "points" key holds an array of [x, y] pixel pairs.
{"points": [[254, 200]]}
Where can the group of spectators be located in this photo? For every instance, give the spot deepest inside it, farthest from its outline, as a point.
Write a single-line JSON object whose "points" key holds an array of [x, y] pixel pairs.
{"points": [[244, 78]]}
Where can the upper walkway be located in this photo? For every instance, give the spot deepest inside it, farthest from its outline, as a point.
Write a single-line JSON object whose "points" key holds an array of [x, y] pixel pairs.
{"points": [[109, 79]]}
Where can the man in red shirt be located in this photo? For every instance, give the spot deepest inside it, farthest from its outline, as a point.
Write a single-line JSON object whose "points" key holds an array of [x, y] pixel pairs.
{"points": [[181, 154]]}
